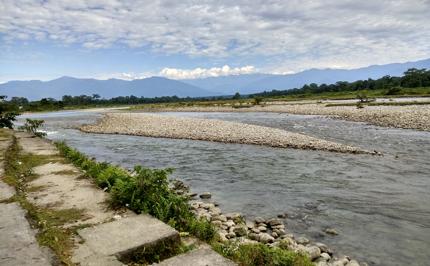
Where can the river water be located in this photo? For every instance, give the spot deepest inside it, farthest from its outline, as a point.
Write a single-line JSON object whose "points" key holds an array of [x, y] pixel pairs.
{"points": [[380, 205]]}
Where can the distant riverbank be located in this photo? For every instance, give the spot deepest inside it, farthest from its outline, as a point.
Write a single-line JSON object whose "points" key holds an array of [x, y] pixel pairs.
{"points": [[405, 116]]}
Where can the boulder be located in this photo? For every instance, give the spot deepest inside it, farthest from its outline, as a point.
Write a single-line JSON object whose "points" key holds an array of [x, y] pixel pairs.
{"points": [[275, 221], [322, 247], [353, 263]]}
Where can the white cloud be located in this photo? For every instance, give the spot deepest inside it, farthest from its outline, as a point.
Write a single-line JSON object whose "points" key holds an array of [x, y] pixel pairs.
{"points": [[175, 73], [291, 35]]}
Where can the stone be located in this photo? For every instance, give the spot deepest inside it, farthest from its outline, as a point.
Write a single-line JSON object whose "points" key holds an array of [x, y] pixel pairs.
{"points": [[198, 257], [322, 247], [325, 256], [274, 222], [229, 223], [302, 240], [217, 223], [279, 226], [282, 215], [331, 231], [206, 195], [220, 217], [353, 263], [240, 230], [255, 230], [249, 224], [262, 228], [222, 237], [321, 263], [259, 220], [265, 238], [274, 234], [6, 191], [313, 251]]}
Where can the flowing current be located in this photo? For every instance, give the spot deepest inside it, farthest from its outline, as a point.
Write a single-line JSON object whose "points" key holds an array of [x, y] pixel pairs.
{"points": [[379, 205]]}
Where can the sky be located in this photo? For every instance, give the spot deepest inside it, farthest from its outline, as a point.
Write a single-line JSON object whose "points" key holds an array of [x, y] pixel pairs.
{"points": [[195, 39]]}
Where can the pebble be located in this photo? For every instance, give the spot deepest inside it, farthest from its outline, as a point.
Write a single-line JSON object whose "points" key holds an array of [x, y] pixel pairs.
{"points": [[313, 251], [259, 220], [331, 231], [206, 195]]}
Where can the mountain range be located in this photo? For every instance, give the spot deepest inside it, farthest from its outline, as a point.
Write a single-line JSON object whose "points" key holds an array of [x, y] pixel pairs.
{"points": [[212, 86]]}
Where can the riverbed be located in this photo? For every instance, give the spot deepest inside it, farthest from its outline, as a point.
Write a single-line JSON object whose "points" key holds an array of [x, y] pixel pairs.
{"points": [[378, 204]]}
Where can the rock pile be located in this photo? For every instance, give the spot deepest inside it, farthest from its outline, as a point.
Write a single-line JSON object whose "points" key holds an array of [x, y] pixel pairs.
{"points": [[272, 232]]}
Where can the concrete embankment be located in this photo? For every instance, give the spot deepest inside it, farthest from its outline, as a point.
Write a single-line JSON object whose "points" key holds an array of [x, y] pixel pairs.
{"points": [[151, 125], [73, 216], [409, 116]]}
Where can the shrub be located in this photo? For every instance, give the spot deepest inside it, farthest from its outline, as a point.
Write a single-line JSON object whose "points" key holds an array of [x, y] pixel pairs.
{"points": [[32, 126], [394, 91]]}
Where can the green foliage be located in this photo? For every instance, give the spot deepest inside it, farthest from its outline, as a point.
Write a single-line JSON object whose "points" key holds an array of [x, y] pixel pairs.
{"points": [[260, 254], [362, 96], [258, 100], [143, 191], [8, 113], [394, 90], [236, 96], [32, 126]]}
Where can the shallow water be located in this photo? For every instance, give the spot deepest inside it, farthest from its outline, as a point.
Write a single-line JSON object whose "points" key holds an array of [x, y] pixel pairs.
{"points": [[380, 205]]}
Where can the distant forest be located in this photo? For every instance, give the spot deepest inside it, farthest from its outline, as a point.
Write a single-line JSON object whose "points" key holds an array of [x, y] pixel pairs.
{"points": [[412, 78]]}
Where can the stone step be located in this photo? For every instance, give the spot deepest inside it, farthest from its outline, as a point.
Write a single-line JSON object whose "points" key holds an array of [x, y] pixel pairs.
{"points": [[203, 256], [124, 238], [6, 191], [18, 245]]}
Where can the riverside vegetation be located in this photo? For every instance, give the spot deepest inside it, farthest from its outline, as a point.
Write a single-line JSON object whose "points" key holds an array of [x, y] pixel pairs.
{"points": [[147, 190]]}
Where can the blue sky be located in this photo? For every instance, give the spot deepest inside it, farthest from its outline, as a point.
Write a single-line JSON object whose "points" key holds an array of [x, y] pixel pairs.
{"points": [[194, 39]]}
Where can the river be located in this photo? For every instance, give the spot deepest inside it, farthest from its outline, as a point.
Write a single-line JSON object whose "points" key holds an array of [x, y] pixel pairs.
{"points": [[380, 205]]}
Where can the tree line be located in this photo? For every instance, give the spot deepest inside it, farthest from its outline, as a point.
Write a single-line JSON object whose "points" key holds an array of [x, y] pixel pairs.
{"points": [[412, 78]]}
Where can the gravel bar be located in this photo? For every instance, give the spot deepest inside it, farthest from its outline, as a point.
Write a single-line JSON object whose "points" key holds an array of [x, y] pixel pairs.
{"points": [[408, 117], [154, 125]]}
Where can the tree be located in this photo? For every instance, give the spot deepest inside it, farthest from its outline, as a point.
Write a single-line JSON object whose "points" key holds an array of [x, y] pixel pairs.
{"points": [[236, 96], [32, 126], [7, 113]]}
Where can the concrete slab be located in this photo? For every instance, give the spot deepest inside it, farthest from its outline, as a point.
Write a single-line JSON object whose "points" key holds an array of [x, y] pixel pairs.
{"points": [[204, 256], [35, 145], [128, 235], [18, 245], [6, 191]]}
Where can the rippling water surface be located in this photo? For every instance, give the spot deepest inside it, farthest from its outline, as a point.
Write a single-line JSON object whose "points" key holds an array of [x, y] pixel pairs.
{"points": [[380, 205]]}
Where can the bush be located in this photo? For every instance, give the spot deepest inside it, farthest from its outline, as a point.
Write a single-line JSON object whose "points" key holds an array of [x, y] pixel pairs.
{"points": [[394, 91], [32, 126]]}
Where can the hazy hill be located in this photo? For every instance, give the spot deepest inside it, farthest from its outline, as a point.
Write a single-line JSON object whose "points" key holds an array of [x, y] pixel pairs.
{"points": [[149, 87]]}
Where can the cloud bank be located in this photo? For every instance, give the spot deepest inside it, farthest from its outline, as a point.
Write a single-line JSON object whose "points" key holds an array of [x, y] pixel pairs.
{"points": [[290, 35], [195, 73]]}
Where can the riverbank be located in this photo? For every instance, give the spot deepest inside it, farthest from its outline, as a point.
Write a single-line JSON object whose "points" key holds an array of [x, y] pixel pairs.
{"points": [[151, 125], [403, 116]]}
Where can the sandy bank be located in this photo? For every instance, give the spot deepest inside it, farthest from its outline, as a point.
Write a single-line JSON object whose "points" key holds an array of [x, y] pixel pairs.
{"points": [[410, 117], [152, 125]]}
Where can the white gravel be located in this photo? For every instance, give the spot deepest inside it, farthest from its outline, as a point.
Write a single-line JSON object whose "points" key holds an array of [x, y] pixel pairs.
{"points": [[152, 125]]}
